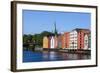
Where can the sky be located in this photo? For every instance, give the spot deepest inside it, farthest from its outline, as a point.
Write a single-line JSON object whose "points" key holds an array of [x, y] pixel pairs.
{"points": [[38, 21]]}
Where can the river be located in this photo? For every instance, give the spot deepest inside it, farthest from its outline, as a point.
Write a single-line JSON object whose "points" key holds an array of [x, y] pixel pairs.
{"points": [[30, 56]]}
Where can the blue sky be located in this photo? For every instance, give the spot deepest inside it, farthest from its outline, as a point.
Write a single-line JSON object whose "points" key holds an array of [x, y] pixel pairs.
{"points": [[38, 21]]}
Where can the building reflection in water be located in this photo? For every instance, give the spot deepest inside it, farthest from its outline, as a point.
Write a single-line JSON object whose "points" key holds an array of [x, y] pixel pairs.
{"points": [[29, 56], [47, 55]]}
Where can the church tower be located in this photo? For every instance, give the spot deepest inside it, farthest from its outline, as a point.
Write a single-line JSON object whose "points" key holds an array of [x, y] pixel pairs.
{"points": [[55, 30]]}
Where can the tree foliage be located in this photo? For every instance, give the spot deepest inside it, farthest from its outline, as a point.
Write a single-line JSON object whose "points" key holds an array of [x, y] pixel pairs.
{"points": [[36, 38]]}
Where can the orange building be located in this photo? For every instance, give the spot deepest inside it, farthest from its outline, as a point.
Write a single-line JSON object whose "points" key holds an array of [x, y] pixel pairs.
{"points": [[55, 42], [65, 40], [60, 41], [46, 42], [81, 34], [77, 38]]}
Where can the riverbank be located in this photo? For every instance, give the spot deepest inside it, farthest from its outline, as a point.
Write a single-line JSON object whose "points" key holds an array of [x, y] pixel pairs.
{"points": [[74, 51]]}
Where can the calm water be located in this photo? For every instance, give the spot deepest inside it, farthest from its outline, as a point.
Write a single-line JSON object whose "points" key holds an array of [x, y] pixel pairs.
{"points": [[29, 56]]}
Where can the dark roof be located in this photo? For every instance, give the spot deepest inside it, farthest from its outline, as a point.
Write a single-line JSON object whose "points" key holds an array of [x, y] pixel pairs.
{"points": [[79, 29]]}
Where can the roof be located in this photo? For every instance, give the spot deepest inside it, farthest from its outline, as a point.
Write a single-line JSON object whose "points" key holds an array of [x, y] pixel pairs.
{"points": [[81, 29]]}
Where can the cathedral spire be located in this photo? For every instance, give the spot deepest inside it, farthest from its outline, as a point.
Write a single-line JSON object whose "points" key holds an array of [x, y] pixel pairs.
{"points": [[55, 30]]}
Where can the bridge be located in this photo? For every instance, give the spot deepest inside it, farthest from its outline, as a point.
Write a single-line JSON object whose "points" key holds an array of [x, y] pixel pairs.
{"points": [[27, 44], [30, 45]]}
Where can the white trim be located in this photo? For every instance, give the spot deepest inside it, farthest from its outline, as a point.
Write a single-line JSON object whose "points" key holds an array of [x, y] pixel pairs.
{"points": [[21, 65]]}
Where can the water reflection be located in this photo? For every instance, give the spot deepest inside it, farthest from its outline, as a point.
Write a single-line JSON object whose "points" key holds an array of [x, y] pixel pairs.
{"points": [[29, 56]]}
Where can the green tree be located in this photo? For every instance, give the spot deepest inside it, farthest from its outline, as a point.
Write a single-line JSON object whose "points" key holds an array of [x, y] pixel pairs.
{"points": [[36, 38], [25, 38]]}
